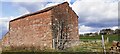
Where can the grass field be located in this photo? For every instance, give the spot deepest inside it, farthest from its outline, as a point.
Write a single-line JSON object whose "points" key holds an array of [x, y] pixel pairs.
{"points": [[91, 46], [86, 47], [98, 37]]}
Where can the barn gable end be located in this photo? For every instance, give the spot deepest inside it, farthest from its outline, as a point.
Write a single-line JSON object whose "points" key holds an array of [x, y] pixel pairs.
{"points": [[43, 29]]}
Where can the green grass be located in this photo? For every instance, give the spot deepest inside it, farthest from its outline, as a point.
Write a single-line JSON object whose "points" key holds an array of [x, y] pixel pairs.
{"points": [[85, 46], [98, 37], [112, 38]]}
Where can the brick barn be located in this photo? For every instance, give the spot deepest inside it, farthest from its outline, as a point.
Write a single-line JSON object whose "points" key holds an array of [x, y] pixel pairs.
{"points": [[52, 28]]}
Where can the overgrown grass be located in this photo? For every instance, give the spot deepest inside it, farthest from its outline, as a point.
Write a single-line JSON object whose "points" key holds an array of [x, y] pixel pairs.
{"points": [[108, 44], [82, 47]]}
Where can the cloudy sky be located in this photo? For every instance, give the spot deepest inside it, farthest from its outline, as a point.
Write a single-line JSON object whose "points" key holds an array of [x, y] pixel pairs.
{"points": [[94, 15]]}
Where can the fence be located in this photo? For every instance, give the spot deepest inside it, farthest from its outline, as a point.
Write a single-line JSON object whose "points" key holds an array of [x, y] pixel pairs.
{"points": [[84, 45]]}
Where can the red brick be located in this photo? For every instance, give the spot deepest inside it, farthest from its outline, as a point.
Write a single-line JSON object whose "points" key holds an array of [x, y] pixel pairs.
{"points": [[39, 28]]}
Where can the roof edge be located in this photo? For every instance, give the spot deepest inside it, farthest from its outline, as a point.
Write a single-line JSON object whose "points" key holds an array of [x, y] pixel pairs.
{"points": [[40, 11]]}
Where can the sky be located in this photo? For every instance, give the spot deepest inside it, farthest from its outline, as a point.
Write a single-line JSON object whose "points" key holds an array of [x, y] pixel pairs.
{"points": [[94, 15]]}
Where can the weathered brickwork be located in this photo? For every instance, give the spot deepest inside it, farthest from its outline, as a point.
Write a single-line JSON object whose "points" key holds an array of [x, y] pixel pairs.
{"points": [[43, 29], [65, 25]]}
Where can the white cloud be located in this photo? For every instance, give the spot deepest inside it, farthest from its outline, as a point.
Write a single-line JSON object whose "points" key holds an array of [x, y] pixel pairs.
{"points": [[4, 25], [55, 3], [113, 28], [88, 10], [23, 10], [25, 7], [85, 29], [0, 31], [4, 22], [50, 4], [37, 5], [97, 10], [34, 0], [23, 0], [91, 12], [68, 1]]}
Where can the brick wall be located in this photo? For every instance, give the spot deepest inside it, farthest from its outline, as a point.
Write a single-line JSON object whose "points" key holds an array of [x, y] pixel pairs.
{"points": [[31, 31], [65, 24], [38, 30]]}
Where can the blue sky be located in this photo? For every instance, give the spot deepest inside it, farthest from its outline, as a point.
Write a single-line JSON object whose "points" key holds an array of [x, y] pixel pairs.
{"points": [[94, 15]]}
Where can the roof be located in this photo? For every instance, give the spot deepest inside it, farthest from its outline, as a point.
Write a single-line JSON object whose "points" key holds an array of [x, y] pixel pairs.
{"points": [[38, 12]]}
